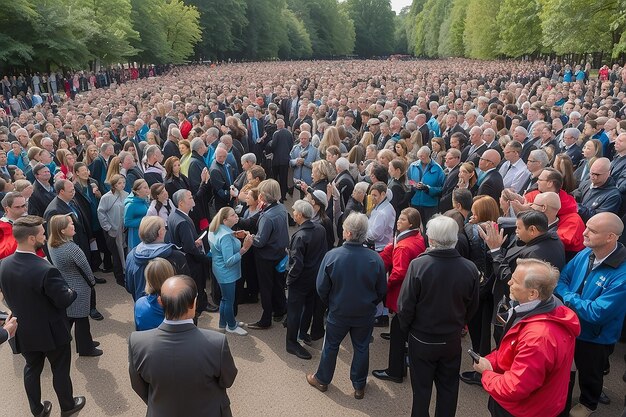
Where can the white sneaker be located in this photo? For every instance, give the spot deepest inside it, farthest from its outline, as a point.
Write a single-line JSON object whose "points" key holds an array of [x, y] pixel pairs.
{"points": [[237, 330], [239, 324], [580, 410]]}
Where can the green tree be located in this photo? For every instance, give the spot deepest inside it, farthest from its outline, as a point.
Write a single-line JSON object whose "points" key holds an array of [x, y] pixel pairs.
{"points": [[452, 29], [373, 26], [266, 30], [520, 27], [151, 44], [401, 41], [182, 29], [435, 11], [481, 30], [297, 43], [15, 44]]}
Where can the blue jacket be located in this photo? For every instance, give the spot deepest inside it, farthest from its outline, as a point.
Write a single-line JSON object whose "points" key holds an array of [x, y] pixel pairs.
{"points": [[136, 262], [351, 281], [433, 177], [148, 313], [304, 171], [225, 254], [600, 306], [135, 210]]}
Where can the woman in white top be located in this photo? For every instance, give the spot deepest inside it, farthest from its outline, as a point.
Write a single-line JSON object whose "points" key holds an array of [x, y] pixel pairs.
{"points": [[111, 217]]}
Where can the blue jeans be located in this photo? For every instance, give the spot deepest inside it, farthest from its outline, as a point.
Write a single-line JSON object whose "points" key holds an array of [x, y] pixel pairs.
{"points": [[227, 314], [360, 336]]}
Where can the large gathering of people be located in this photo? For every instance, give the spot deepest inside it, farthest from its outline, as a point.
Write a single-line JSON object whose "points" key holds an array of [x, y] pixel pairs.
{"points": [[437, 199]]}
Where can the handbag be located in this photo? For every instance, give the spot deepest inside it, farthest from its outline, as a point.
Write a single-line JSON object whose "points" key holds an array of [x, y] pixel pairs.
{"points": [[282, 265]]}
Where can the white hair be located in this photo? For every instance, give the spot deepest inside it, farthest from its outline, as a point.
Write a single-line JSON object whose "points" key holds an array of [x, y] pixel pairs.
{"points": [[442, 232]]}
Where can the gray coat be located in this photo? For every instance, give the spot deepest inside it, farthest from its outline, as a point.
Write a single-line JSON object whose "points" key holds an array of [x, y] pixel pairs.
{"points": [[111, 217], [73, 265]]}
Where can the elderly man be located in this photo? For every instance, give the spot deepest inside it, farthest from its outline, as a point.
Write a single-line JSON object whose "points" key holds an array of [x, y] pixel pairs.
{"points": [[514, 171], [618, 168], [351, 281], [306, 250], [280, 146], [222, 178], [439, 295], [452, 164], [534, 359], [537, 161], [521, 135], [478, 146], [598, 194], [302, 157], [179, 369], [154, 173], [490, 181], [570, 145], [248, 160], [129, 169], [593, 284]]}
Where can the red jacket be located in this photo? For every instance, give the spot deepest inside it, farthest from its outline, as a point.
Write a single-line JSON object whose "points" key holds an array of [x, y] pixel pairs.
{"points": [[531, 369], [8, 244], [397, 259]]}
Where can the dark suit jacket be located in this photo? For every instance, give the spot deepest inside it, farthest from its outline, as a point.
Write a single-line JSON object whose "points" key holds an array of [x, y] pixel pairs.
{"points": [[527, 148], [280, 146], [496, 147], [445, 199], [98, 170], [491, 185], [170, 149], [131, 176], [4, 335], [220, 183], [196, 165], [39, 200], [449, 132], [81, 223], [181, 371], [37, 294], [475, 156], [575, 153]]}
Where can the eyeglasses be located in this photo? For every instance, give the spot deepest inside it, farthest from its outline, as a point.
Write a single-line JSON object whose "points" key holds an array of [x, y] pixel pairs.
{"points": [[597, 174], [486, 160]]}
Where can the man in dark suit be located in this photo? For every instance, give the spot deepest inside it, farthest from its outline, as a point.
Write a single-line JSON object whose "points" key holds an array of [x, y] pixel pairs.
{"points": [[256, 133], [571, 148], [521, 135], [477, 147], [452, 127], [101, 165], [130, 170], [280, 146], [489, 135], [197, 164], [8, 329], [36, 292], [178, 369], [183, 234], [222, 178], [490, 181], [43, 193], [452, 163], [289, 106]]}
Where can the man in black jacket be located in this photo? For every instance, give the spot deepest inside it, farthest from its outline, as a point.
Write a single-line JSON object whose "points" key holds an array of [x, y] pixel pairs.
{"points": [[452, 163], [438, 297], [43, 193], [306, 250], [280, 146], [490, 181], [36, 292], [222, 178]]}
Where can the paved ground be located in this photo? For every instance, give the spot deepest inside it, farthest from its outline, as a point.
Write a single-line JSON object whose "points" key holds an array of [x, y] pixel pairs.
{"points": [[270, 382]]}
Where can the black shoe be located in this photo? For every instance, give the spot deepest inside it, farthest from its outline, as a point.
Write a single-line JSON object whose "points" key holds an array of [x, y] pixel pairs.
{"points": [[381, 321], [47, 408], [100, 280], [96, 344], [316, 337], [121, 283], [94, 352], [211, 308], [95, 314], [300, 352], [386, 336], [107, 270], [604, 399], [382, 374], [258, 326], [306, 339], [79, 403], [279, 317], [606, 371], [471, 378]]}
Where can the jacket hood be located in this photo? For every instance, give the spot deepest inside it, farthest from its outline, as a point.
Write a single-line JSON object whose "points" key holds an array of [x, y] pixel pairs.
{"points": [[147, 251], [554, 311], [568, 204], [134, 199]]}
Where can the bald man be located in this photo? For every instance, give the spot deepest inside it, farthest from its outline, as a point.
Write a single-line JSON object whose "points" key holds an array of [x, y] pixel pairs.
{"points": [[598, 194], [569, 226], [593, 284], [178, 369], [490, 181]]}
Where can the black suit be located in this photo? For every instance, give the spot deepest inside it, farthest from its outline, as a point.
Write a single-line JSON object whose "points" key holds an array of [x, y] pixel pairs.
{"points": [[98, 170], [491, 185], [575, 153], [180, 370], [81, 222], [222, 177], [280, 146], [36, 292], [527, 148], [196, 165], [449, 132], [170, 149], [259, 146], [496, 147], [425, 131], [132, 175], [474, 157], [39, 200], [445, 199]]}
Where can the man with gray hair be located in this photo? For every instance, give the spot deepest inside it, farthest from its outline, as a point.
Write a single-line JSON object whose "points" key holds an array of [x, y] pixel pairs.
{"points": [[537, 161], [154, 173], [351, 281], [438, 297], [570, 145], [306, 250], [247, 161]]}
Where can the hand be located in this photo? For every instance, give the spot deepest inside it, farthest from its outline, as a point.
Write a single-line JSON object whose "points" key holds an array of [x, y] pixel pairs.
{"points": [[483, 365], [518, 207], [492, 237], [300, 161], [233, 192], [204, 175], [504, 204], [198, 243], [247, 242], [10, 325]]}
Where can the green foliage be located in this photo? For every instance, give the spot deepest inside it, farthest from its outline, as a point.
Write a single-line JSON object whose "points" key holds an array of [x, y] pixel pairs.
{"points": [[452, 30], [151, 44], [182, 29], [373, 26], [520, 27], [435, 12], [297, 43], [481, 29], [401, 40]]}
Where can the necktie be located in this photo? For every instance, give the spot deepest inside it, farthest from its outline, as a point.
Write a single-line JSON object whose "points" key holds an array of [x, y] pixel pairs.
{"points": [[592, 259], [226, 169]]}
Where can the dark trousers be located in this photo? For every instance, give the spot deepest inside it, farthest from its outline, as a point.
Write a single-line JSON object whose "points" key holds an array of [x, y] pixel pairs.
{"points": [[496, 409], [82, 334], [248, 285], [360, 336], [279, 173], [299, 311], [92, 301], [60, 360], [590, 359], [271, 288], [317, 321], [103, 249], [199, 272], [479, 327], [118, 263], [439, 363], [397, 344], [426, 213]]}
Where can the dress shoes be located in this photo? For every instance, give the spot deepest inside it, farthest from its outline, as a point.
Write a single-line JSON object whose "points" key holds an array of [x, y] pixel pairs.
{"points": [[580, 410], [96, 344], [79, 403], [96, 315], [382, 374], [386, 336], [471, 378], [93, 352], [299, 351], [381, 321], [107, 270], [359, 393], [47, 409], [604, 399], [312, 380], [258, 326], [211, 308], [100, 280], [279, 317], [306, 339]]}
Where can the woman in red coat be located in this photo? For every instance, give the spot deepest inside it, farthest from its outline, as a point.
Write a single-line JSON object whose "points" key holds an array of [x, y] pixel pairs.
{"points": [[408, 245]]}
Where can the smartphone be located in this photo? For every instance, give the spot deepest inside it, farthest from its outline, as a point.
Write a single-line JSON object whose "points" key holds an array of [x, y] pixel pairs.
{"points": [[475, 356], [4, 316]]}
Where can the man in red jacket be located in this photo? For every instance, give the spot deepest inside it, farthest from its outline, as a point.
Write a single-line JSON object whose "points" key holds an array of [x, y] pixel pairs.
{"points": [[529, 373], [14, 206]]}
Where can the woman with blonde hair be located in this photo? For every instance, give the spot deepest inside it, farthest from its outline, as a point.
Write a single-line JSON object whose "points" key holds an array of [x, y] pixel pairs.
{"points": [[91, 153], [226, 253], [366, 140], [184, 146], [331, 138], [563, 164], [69, 258], [468, 177], [148, 312], [67, 159]]}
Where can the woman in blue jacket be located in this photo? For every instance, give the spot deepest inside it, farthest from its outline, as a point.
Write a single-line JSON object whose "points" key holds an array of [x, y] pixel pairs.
{"points": [[135, 208], [148, 312], [426, 178], [226, 252]]}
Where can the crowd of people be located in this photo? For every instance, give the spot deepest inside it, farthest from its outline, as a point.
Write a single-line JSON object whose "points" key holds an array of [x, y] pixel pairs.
{"points": [[435, 198]]}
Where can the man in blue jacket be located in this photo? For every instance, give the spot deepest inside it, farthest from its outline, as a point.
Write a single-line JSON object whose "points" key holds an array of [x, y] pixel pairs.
{"points": [[351, 281], [593, 284]]}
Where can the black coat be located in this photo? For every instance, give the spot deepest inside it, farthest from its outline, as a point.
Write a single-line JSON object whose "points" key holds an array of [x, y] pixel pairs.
{"points": [[39, 200], [174, 184], [36, 292], [132, 175], [182, 233], [306, 251], [280, 146], [491, 185], [98, 170], [445, 199], [170, 149], [196, 165], [221, 182], [475, 156], [575, 154], [81, 222]]}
